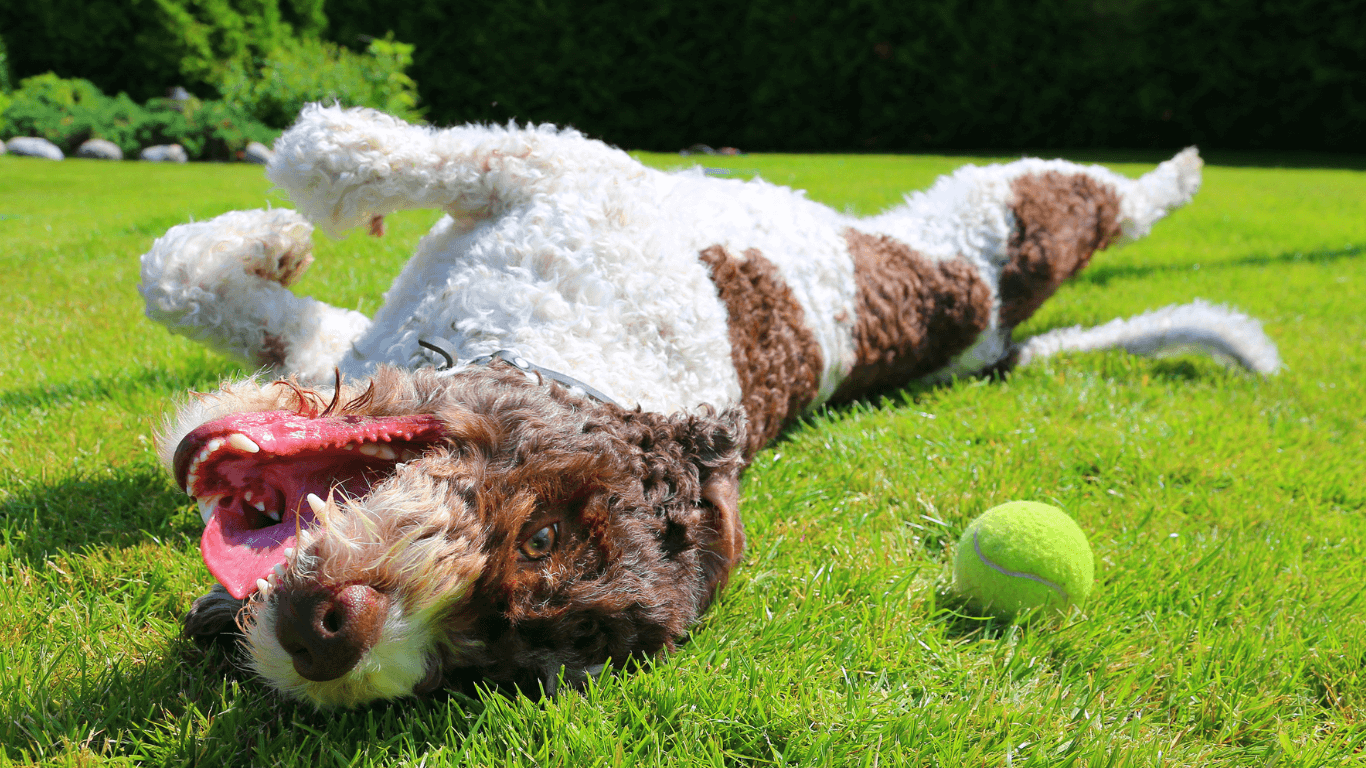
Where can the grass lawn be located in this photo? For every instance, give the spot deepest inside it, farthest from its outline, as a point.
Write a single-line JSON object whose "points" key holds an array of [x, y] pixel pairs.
{"points": [[1227, 626]]}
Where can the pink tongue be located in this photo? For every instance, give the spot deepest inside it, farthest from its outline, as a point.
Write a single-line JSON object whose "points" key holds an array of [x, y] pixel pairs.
{"points": [[238, 557]]}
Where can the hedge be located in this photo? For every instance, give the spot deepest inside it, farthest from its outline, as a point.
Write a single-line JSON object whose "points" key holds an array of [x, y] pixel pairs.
{"points": [[806, 75], [797, 75]]}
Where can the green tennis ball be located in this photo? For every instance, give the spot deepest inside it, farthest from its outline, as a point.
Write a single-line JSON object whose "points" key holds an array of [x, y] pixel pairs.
{"points": [[1023, 555]]}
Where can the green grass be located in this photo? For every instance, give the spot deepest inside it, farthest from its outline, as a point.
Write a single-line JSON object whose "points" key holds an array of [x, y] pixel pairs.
{"points": [[1225, 512]]}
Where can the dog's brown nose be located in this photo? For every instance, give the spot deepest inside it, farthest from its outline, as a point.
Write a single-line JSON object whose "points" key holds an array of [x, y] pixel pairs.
{"points": [[326, 631]]}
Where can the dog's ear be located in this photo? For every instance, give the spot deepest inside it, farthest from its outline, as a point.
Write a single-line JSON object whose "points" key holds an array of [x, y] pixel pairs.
{"points": [[721, 495], [714, 443]]}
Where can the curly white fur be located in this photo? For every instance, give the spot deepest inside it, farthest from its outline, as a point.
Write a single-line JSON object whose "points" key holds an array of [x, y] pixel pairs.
{"points": [[576, 256]]}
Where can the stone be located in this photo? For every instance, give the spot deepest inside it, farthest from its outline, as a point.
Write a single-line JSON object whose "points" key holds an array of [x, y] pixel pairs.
{"points": [[165, 153], [99, 149], [258, 153], [32, 146]]}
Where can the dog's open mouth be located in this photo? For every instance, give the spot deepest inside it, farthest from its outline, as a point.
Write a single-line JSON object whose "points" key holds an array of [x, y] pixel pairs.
{"points": [[252, 474]]}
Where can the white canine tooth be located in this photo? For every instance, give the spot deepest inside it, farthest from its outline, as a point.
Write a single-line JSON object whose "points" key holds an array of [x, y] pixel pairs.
{"points": [[247, 495], [289, 552], [273, 515], [348, 447], [207, 505], [263, 587], [369, 449], [243, 443], [279, 570], [316, 504], [260, 505]]}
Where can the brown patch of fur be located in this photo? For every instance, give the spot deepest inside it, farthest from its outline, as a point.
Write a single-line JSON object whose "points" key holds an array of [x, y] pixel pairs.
{"points": [[284, 268], [273, 351], [914, 314], [1060, 221], [776, 356]]}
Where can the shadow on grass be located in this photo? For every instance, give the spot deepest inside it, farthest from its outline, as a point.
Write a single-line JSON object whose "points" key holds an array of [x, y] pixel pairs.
{"points": [[194, 706], [127, 507], [95, 388], [1102, 274]]}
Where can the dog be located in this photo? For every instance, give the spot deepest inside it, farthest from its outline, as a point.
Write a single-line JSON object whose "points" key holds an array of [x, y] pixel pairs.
{"points": [[525, 468]]}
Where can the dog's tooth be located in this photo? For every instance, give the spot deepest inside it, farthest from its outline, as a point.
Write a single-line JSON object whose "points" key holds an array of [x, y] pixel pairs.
{"points": [[263, 587], [279, 570], [247, 496], [206, 507], [369, 449], [316, 504], [379, 451], [243, 443], [260, 505], [273, 515], [289, 552], [348, 447]]}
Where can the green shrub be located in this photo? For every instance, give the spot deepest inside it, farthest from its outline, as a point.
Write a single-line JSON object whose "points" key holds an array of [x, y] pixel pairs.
{"points": [[298, 71], [208, 130], [265, 56], [69, 111], [144, 47]]}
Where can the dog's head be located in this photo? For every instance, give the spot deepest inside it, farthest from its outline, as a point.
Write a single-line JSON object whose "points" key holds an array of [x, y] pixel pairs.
{"points": [[414, 530]]}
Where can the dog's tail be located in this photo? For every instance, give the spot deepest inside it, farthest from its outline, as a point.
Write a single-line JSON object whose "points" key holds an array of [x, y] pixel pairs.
{"points": [[1221, 332]]}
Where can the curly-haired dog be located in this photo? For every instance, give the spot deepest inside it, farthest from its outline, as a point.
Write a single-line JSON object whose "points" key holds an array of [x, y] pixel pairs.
{"points": [[410, 527]]}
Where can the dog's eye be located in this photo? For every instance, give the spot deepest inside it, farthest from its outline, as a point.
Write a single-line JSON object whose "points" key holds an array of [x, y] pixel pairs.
{"points": [[539, 544]]}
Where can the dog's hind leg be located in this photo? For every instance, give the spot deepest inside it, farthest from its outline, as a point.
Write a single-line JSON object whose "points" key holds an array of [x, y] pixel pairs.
{"points": [[944, 279], [345, 168], [223, 282], [1038, 251]]}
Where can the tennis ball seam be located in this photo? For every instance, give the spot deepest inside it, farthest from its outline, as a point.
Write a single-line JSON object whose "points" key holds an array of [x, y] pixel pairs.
{"points": [[1018, 574]]}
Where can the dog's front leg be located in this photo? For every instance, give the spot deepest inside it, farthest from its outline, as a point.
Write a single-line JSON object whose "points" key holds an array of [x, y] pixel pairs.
{"points": [[223, 282]]}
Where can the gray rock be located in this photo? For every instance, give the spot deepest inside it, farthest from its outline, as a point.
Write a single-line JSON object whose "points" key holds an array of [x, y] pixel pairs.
{"points": [[32, 146], [100, 149], [258, 153], [165, 153], [2, 147]]}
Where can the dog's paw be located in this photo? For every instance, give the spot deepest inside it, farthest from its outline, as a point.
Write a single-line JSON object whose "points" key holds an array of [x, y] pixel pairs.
{"points": [[213, 617], [282, 251]]}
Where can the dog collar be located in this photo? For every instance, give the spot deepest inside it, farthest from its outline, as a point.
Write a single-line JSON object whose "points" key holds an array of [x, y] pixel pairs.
{"points": [[442, 347]]}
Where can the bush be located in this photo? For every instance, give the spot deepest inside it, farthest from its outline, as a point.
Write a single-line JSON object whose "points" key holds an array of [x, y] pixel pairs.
{"points": [[265, 56], [299, 71], [144, 47], [69, 111], [208, 130]]}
